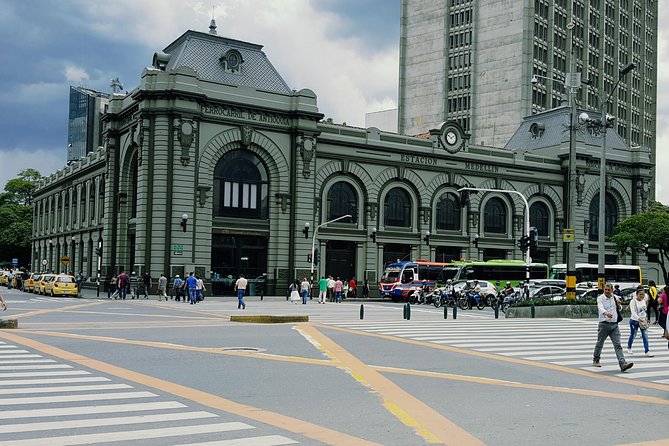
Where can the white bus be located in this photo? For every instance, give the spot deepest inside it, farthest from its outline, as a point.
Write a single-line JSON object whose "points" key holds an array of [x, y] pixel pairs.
{"points": [[625, 276]]}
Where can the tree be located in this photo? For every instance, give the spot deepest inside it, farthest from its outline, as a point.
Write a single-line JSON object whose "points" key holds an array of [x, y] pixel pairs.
{"points": [[16, 216], [644, 231]]}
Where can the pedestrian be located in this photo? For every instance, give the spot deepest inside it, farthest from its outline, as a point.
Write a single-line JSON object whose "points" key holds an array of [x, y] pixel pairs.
{"points": [[177, 288], [191, 284], [147, 284], [338, 289], [162, 287], [609, 308], [331, 284], [112, 293], [240, 287], [352, 288], [200, 288], [122, 282], [365, 289], [134, 285], [3, 303], [639, 321], [10, 279], [616, 290], [344, 290], [663, 303], [294, 291], [305, 287], [652, 301], [322, 290]]}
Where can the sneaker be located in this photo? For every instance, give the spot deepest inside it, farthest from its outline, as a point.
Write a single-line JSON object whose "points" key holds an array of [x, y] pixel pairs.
{"points": [[596, 364], [626, 366], [649, 354], [629, 351]]}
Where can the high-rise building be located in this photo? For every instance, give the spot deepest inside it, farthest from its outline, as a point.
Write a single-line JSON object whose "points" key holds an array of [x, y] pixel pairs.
{"points": [[83, 130], [472, 61]]}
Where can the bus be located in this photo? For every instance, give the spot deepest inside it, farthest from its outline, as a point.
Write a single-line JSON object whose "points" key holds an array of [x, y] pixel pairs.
{"points": [[400, 279], [501, 271], [625, 276]]}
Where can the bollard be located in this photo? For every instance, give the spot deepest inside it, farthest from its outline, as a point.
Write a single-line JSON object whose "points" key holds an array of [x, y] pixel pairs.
{"points": [[532, 311], [362, 311], [455, 311], [445, 312], [262, 292], [98, 286], [496, 307], [404, 311], [408, 312]]}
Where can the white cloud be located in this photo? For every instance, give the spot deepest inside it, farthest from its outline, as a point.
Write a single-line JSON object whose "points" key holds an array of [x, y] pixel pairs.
{"points": [[76, 74], [16, 160]]}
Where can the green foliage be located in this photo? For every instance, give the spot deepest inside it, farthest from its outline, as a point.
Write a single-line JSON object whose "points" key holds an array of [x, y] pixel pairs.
{"points": [[16, 216], [644, 231], [545, 302]]}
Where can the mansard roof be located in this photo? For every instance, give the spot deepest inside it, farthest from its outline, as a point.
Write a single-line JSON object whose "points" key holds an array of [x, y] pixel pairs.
{"points": [[204, 52]]}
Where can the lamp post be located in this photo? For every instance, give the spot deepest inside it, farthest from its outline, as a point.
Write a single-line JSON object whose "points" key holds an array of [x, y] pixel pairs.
{"points": [[572, 82], [313, 243]]}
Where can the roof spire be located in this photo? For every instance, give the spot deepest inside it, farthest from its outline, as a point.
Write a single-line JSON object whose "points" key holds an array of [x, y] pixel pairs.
{"points": [[212, 24]]}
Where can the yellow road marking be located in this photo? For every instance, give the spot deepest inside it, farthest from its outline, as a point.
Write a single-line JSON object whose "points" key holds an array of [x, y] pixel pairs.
{"points": [[543, 365], [664, 442], [305, 428], [52, 310], [170, 316], [430, 424]]}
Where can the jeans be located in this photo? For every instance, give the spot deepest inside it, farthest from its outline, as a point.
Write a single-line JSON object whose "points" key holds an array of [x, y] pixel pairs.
{"points": [[305, 296], [606, 330], [192, 295], [338, 296], [122, 292], [240, 299], [634, 326]]}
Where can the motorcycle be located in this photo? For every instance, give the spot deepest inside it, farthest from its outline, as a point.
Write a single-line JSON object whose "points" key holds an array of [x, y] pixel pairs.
{"points": [[443, 297]]}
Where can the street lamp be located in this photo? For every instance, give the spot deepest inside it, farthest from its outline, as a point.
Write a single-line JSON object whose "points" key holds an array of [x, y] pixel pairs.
{"points": [[427, 238], [305, 230], [184, 222], [606, 121], [313, 243]]}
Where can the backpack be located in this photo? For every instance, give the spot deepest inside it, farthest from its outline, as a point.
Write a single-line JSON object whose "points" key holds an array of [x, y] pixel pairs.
{"points": [[178, 283]]}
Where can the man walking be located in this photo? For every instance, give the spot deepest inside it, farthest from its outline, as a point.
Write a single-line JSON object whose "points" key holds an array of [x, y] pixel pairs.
{"points": [[177, 288], [134, 285], [331, 285], [162, 287], [191, 283], [240, 287], [608, 307], [338, 289], [147, 284], [122, 285], [305, 286], [322, 290]]}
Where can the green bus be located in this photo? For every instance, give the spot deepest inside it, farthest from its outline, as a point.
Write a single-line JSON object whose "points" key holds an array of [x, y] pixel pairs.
{"points": [[500, 271]]}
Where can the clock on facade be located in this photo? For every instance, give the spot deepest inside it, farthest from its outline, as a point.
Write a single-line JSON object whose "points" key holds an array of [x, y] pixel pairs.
{"points": [[452, 137]]}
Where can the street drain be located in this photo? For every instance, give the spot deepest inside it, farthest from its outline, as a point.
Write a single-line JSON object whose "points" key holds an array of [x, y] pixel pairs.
{"points": [[243, 349]]}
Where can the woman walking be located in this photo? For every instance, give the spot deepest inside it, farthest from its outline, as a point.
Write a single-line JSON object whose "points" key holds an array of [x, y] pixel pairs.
{"points": [[294, 289], [664, 309], [305, 287], [639, 320]]}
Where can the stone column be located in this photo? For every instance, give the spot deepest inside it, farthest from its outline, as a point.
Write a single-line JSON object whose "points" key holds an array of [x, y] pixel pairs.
{"points": [[96, 201], [87, 200]]}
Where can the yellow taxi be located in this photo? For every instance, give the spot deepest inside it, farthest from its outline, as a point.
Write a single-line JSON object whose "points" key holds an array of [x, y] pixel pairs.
{"points": [[61, 285], [4, 276], [30, 282], [40, 286]]}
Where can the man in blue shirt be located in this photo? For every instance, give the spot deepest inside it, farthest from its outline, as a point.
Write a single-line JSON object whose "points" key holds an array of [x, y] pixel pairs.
{"points": [[191, 283], [177, 288]]}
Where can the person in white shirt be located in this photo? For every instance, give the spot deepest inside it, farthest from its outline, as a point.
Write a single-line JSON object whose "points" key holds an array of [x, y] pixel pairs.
{"points": [[240, 287], [305, 287], [639, 320], [162, 287], [199, 289], [608, 307]]}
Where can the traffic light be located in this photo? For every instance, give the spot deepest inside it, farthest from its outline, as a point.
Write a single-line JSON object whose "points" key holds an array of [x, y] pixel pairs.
{"points": [[534, 241], [98, 252], [317, 257], [464, 198], [309, 257], [523, 243]]}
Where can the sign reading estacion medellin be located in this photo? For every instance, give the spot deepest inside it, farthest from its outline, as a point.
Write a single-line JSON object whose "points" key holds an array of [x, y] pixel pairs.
{"points": [[247, 115]]}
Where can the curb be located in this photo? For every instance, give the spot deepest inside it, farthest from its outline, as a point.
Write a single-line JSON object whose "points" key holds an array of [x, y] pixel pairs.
{"points": [[268, 319], [9, 323]]}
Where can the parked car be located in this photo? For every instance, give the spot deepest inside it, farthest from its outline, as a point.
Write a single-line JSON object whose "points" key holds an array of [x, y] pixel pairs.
{"points": [[30, 282], [40, 287], [61, 285], [547, 292]]}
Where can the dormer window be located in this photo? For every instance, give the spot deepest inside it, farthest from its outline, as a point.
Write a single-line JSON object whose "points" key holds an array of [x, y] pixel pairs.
{"points": [[232, 61]]}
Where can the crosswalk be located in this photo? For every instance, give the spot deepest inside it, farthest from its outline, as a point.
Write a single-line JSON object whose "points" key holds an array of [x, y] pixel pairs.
{"points": [[47, 402], [565, 342]]}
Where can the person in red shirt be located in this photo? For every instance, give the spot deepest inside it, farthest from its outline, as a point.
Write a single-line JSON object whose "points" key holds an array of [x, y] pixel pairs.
{"points": [[352, 290]]}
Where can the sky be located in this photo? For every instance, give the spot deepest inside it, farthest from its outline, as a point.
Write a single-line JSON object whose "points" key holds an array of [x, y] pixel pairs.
{"points": [[328, 46]]}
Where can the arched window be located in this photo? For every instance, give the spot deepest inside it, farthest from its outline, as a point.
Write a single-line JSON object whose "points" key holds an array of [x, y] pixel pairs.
{"points": [[495, 216], [448, 212], [132, 183], [611, 219], [241, 186], [539, 217], [397, 208], [342, 200]]}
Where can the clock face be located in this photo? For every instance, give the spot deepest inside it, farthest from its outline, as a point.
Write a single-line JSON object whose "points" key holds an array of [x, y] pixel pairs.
{"points": [[451, 138]]}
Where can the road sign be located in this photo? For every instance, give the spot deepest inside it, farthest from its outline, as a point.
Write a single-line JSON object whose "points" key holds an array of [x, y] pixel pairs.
{"points": [[65, 260], [568, 235], [178, 253], [177, 247], [44, 262], [15, 262]]}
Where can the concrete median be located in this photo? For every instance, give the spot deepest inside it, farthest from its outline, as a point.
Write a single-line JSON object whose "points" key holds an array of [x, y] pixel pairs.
{"points": [[268, 319]]}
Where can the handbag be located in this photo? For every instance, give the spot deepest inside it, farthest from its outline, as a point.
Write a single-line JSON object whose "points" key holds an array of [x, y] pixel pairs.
{"points": [[643, 322], [619, 310]]}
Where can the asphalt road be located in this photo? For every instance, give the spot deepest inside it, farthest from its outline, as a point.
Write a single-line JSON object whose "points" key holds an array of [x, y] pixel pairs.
{"points": [[99, 371]]}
